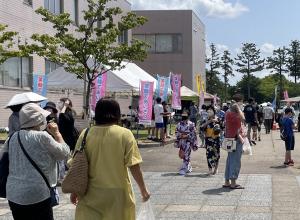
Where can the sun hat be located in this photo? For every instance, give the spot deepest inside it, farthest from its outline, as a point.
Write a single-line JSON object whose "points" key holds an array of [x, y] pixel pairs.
{"points": [[52, 106], [32, 115], [24, 98]]}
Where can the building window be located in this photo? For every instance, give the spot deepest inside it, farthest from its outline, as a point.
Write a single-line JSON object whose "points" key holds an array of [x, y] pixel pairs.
{"points": [[123, 37], [74, 11], [16, 72], [50, 66], [162, 43], [54, 6], [28, 2]]}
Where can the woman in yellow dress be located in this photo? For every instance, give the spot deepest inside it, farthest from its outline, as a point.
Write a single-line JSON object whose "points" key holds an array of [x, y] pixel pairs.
{"points": [[111, 150]]}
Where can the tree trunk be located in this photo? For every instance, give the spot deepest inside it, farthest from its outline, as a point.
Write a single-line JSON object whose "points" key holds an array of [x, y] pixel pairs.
{"points": [[87, 99], [295, 79], [248, 85]]}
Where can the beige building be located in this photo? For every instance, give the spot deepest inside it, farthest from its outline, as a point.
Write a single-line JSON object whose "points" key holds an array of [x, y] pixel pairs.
{"points": [[177, 44], [20, 16]]}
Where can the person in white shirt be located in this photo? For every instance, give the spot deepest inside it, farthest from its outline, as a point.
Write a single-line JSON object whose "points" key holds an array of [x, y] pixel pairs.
{"points": [[268, 113], [159, 121]]}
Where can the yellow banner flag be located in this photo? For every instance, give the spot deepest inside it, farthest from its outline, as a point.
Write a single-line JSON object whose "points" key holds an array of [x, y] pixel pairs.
{"points": [[199, 82]]}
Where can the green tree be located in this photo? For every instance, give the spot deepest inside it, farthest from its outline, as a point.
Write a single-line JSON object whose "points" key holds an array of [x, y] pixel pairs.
{"points": [[243, 85], [278, 65], [294, 59], [7, 43], [248, 62], [212, 72], [226, 65], [93, 49]]}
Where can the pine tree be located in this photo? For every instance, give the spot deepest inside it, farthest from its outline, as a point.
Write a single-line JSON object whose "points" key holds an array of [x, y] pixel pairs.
{"points": [[278, 64], [212, 72], [226, 65], [294, 59], [249, 61]]}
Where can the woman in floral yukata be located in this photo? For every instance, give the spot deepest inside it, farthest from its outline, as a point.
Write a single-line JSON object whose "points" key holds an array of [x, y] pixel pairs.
{"points": [[212, 130], [186, 141]]}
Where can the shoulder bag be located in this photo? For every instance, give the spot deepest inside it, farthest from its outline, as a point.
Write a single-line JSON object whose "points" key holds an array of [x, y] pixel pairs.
{"points": [[229, 144], [76, 180], [53, 191]]}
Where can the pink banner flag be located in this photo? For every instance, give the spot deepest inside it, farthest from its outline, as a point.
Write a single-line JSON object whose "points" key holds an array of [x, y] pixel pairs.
{"points": [[285, 95], [146, 102], [98, 90], [176, 96]]}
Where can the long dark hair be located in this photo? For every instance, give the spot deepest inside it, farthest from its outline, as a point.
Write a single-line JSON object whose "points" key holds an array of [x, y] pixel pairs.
{"points": [[70, 104], [107, 111]]}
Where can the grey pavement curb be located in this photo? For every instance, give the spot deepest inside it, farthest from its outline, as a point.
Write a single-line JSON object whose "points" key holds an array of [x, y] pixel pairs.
{"points": [[149, 144]]}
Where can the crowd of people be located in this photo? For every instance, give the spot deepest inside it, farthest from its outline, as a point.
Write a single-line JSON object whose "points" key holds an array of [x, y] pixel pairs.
{"points": [[48, 136], [238, 120]]}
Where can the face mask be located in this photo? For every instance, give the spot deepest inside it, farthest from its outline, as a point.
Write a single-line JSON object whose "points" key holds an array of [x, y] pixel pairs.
{"points": [[184, 118]]}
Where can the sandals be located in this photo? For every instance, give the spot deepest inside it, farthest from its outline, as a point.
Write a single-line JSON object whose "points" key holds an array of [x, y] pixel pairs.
{"points": [[226, 186], [237, 187]]}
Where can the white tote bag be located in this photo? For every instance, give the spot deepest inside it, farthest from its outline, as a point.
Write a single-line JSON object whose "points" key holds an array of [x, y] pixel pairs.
{"points": [[146, 211], [229, 144]]}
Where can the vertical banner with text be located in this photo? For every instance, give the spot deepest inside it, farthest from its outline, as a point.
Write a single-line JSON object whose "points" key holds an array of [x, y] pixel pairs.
{"points": [[98, 89], [40, 86], [176, 96], [146, 102], [162, 87]]}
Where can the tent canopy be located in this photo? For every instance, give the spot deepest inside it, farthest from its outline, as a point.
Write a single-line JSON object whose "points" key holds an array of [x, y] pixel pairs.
{"points": [[188, 94], [126, 79], [292, 99]]}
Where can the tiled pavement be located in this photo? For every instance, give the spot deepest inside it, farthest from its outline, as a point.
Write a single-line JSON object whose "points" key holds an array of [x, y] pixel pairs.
{"points": [[198, 196]]}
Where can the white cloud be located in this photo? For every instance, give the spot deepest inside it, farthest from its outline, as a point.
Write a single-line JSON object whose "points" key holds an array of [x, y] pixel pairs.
{"points": [[161, 4], [221, 9], [211, 8], [267, 49]]}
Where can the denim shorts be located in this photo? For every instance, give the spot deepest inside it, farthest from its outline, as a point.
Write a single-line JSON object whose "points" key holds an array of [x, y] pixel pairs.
{"points": [[290, 143], [159, 125]]}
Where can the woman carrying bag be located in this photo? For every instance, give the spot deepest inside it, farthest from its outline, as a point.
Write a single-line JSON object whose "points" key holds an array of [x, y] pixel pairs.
{"points": [[111, 151], [28, 193]]}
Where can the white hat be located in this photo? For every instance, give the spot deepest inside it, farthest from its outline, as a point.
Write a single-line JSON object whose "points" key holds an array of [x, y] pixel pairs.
{"points": [[24, 98], [32, 115], [269, 104]]}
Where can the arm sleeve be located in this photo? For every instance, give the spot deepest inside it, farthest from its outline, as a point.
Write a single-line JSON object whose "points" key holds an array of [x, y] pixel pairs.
{"points": [[59, 151], [132, 154]]}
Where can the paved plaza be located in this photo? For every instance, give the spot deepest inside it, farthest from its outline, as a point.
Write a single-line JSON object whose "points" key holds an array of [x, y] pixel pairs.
{"points": [[272, 191]]}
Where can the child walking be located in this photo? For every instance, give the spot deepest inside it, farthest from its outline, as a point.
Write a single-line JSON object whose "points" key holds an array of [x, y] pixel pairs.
{"points": [[288, 126], [186, 140]]}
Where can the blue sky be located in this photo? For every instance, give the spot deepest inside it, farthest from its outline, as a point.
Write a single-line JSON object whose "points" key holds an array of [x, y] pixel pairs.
{"points": [[229, 23]]}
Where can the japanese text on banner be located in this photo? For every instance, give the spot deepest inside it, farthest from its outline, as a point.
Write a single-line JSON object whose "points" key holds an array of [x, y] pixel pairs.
{"points": [[162, 87], [98, 90], [176, 96], [146, 102], [40, 86]]}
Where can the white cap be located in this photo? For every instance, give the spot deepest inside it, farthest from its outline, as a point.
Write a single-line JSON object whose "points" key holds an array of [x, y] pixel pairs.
{"points": [[32, 115]]}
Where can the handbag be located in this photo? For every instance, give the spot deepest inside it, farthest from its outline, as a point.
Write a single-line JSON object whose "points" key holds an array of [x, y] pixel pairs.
{"points": [[76, 180], [53, 191], [229, 144], [4, 170]]}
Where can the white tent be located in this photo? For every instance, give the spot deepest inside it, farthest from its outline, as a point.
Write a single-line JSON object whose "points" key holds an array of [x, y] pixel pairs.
{"points": [[126, 79]]}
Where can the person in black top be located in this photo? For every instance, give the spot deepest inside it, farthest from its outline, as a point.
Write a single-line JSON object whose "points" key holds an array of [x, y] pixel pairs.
{"points": [[166, 116], [251, 119], [260, 117], [66, 122], [51, 107]]}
